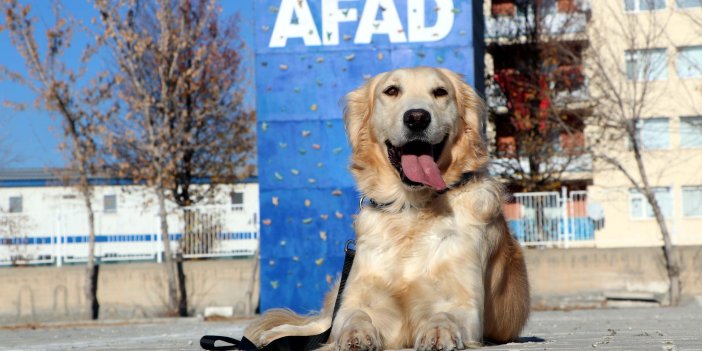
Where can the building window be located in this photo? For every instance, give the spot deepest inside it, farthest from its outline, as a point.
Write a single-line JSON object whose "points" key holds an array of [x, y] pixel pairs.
{"points": [[686, 4], [109, 203], [640, 208], [646, 64], [653, 133], [692, 201], [237, 200], [15, 204], [691, 132], [643, 5], [689, 62]]}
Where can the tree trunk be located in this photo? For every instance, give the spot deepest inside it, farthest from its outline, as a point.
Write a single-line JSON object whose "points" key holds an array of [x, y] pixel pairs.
{"points": [[91, 269], [671, 264], [169, 264]]}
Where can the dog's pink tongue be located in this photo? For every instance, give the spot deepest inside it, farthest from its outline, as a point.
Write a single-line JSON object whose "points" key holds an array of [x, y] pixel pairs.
{"points": [[423, 169]]}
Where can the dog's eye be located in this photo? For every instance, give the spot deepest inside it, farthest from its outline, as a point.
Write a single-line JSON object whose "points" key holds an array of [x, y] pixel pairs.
{"points": [[439, 92], [391, 91]]}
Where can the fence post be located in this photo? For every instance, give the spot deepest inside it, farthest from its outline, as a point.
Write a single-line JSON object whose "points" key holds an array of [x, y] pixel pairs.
{"points": [[566, 220], [159, 246], [59, 240]]}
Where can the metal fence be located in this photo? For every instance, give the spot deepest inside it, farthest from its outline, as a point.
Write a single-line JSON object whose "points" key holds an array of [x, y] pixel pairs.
{"points": [[130, 234], [550, 218]]}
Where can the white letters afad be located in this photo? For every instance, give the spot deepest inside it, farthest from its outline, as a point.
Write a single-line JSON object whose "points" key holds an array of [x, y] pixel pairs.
{"points": [[378, 17]]}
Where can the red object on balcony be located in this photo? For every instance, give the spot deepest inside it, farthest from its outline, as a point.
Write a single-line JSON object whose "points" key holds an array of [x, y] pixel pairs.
{"points": [[572, 143], [567, 6], [503, 8], [506, 146]]}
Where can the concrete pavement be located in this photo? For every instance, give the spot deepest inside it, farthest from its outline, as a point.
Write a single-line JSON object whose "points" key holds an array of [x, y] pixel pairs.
{"points": [[614, 329]]}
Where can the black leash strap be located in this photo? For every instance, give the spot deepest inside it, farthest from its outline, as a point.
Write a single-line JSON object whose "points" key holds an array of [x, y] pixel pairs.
{"points": [[287, 343]]}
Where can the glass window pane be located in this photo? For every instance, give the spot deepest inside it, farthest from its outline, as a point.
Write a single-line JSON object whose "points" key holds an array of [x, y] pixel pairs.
{"points": [[691, 132], [651, 4], [109, 203], [15, 204], [685, 4], [635, 202], [665, 201], [654, 134], [630, 5], [689, 62], [649, 64], [692, 201]]}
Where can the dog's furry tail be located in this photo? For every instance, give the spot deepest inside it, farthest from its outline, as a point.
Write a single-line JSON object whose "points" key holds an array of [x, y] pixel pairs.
{"points": [[279, 322]]}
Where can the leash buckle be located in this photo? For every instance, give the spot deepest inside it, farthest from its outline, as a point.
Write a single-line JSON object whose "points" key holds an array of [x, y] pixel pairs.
{"points": [[349, 244]]}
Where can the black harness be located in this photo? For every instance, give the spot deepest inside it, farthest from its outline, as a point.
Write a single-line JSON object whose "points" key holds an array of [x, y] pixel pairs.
{"points": [[311, 342]]}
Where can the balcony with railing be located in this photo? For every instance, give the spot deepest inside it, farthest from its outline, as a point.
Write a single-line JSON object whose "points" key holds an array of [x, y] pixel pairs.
{"points": [[562, 18]]}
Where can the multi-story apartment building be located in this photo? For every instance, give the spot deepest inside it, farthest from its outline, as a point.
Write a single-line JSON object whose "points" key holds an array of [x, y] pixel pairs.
{"points": [[651, 51], [631, 63]]}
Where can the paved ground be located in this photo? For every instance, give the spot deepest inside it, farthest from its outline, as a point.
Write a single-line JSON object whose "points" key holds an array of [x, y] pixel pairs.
{"points": [[623, 329]]}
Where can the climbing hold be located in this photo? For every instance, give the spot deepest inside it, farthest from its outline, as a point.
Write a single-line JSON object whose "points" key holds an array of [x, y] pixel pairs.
{"points": [[323, 235], [275, 201], [319, 261], [283, 67], [294, 171], [306, 133], [278, 176], [324, 216], [339, 215], [307, 221], [316, 146], [336, 192], [313, 107], [274, 284], [308, 203], [266, 221]]}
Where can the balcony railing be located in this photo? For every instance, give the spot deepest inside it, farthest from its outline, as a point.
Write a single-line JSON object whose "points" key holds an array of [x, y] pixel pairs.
{"points": [[552, 23]]}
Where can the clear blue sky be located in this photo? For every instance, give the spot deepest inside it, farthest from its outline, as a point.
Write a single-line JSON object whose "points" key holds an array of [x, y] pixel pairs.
{"points": [[32, 135]]}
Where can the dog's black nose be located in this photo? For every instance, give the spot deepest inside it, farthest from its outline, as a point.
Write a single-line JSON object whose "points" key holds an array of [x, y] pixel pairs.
{"points": [[417, 119]]}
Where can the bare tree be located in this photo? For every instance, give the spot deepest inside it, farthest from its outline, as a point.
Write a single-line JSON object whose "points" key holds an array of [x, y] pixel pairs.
{"points": [[534, 89], [623, 69], [79, 102], [177, 67]]}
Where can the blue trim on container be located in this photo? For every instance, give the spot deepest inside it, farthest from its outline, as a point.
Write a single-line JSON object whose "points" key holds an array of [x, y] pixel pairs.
{"points": [[117, 238]]}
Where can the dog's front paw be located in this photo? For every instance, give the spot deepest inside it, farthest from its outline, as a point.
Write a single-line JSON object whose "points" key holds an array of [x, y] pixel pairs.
{"points": [[441, 333], [361, 337]]}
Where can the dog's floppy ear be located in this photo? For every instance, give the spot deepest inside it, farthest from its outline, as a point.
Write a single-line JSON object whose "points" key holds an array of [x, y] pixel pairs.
{"points": [[471, 106], [359, 106]]}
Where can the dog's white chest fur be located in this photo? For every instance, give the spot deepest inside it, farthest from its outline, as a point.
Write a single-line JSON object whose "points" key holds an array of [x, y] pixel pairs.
{"points": [[410, 246]]}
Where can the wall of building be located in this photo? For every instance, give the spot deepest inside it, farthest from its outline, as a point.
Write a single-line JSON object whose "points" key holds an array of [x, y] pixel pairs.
{"points": [[54, 214], [134, 290], [560, 278], [672, 97]]}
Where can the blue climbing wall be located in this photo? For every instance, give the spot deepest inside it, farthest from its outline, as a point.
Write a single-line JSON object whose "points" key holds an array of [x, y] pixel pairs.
{"points": [[308, 55]]}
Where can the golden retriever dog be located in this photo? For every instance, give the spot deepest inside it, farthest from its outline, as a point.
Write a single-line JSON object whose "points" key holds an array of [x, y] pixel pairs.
{"points": [[436, 267]]}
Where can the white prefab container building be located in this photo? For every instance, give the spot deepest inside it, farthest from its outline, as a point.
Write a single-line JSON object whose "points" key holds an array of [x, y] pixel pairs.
{"points": [[43, 221]]}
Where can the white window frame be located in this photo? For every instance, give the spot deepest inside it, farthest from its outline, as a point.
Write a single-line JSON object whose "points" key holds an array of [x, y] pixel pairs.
{"points": [[646, 207], [636, 56], [637, 6], [682, 191]]}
